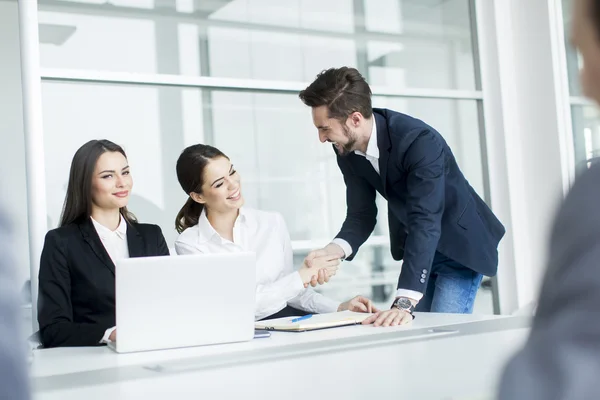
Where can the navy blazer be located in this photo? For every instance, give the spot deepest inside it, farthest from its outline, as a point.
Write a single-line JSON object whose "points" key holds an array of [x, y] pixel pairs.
{"points": [[76, 302], [431, 206]]}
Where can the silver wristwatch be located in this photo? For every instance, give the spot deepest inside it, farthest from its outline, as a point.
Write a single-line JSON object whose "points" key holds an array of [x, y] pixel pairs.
{"points": [[404, 303]]}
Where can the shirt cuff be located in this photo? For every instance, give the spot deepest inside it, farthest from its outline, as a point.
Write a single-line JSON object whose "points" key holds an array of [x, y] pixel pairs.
{"points": [[105, 338], [411, 294], [326, 305], [344, 245], [291, 286], [295, 283]]}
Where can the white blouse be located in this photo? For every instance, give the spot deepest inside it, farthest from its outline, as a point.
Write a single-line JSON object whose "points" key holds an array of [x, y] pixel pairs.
{"points": [[277, 280], [115, 243]]}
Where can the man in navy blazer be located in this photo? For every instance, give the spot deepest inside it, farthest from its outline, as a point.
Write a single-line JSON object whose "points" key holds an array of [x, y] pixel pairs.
{"points": [[443, 231]]}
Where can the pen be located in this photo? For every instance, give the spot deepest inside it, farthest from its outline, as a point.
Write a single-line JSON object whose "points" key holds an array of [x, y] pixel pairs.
{"points": [[301, 318]]}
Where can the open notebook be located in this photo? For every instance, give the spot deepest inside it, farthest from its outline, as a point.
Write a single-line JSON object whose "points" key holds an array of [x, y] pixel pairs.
{"points": [[317, 321]]}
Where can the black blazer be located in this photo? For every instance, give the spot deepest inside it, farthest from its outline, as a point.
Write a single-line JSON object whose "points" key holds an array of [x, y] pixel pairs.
{"points": [[76, 302], [431, 206]]}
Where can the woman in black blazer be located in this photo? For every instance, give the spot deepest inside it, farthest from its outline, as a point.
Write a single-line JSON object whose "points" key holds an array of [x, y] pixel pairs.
{"points": [[76, 304]]}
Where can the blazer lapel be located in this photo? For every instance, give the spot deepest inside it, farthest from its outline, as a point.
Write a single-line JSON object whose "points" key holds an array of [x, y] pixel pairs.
{"points": [[135, 242], [384, 145], [93, 240]]}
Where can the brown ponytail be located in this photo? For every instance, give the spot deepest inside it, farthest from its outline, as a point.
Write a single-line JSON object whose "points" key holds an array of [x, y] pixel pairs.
{"points": [[188, 215]]}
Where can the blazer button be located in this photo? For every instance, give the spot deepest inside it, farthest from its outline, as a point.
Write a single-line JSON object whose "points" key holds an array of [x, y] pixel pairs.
{"points": [[422, 280], [424, 271], [423, 276]]}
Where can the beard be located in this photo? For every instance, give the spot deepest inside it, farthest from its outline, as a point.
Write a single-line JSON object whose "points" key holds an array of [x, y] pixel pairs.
{"points": [[344, 150]]}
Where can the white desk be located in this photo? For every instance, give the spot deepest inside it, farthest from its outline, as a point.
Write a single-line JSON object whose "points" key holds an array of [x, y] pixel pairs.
{"points": [[439, 356]]}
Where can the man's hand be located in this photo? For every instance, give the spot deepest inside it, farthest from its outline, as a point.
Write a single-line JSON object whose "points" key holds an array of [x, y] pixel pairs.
{"points": [[113, 336], [391, 317], [330, 251], [358, 304]]}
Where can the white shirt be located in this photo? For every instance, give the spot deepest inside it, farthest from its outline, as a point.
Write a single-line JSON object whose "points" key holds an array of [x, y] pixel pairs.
{"points": [[115, 243], [277, 280], [372, 155]]}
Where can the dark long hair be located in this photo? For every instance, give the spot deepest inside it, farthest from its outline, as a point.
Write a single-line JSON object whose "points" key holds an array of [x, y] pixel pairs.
{"points": [[190, 174], [78, 201]]}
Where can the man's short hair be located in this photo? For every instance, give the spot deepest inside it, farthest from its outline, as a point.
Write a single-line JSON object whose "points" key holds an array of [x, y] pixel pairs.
{"points": [[342, 90]]}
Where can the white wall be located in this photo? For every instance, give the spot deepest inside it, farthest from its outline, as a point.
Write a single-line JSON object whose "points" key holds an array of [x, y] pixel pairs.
{"points": [[12, 158]]}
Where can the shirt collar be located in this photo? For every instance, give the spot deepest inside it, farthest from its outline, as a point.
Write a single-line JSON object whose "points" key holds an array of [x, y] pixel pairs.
{"points": [[104, 232], [372, 149], [247, 218], [206, 231]]}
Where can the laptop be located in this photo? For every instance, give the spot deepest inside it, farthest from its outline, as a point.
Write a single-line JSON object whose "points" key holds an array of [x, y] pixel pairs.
{"points": [[181, 301]]}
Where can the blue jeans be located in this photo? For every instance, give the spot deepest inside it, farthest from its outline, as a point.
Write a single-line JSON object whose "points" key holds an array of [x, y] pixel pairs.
{"points": [[452, 287]]}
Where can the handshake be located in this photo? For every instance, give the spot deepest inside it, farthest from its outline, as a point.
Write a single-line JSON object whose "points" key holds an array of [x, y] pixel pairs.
{"points": [[320, 265]]}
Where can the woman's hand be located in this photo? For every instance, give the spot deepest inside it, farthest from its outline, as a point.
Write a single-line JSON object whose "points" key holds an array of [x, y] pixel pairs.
{"points": [[358, 304], [322, 269]]}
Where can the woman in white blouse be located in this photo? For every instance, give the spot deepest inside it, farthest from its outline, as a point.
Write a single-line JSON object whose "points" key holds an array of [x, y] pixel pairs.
{"points": [[214, 221]]}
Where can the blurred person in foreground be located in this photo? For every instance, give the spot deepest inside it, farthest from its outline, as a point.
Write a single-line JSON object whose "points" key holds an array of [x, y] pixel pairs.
{"points": [[14, 383], [561, 359]]}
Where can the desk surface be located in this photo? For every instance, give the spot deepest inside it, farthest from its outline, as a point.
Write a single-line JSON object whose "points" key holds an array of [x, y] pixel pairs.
{"points": [[380, 354], [65, 360]]}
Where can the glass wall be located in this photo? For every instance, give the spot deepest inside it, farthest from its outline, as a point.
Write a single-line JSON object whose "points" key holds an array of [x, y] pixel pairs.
{"points": [[401, 43], [253, 56]]}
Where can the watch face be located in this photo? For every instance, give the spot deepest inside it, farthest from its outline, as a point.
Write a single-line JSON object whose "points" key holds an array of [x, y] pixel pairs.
{"points": [[403, 303]]}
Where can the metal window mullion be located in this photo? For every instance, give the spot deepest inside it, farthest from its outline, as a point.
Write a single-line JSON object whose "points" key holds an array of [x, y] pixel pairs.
{"points": [[34, 143], [254, 85]]}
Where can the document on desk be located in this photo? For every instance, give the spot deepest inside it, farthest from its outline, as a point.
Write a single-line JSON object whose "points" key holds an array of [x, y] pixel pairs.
{"points": [[317, 321]]}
